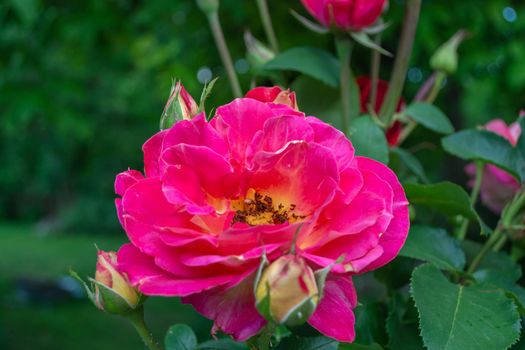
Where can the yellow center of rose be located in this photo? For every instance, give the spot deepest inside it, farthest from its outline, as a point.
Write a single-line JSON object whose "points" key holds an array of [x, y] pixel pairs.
{"points": [[259, 209]]}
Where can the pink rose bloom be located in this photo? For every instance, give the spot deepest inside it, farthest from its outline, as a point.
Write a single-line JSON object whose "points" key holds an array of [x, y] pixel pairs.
{"points": [[215, 196], [347, 15], [497, 187]]}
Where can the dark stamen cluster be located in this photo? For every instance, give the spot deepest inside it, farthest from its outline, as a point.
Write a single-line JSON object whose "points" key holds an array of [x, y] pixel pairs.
{"points": [[262, 206]]}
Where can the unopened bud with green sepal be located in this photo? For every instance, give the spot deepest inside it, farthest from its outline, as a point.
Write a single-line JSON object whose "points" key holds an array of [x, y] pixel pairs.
{"points": [[110, 290], [286, 291], [445, 59]]}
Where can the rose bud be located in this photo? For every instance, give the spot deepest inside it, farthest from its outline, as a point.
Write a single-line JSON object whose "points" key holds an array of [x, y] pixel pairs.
{"points": [[445, 59], [180, 106], [274, 95], [110, 290], [347, 15], [286, 292]]}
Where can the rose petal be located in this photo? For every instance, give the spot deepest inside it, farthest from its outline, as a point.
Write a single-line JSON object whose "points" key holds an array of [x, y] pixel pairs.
{"points": [[395, 235], [233, 310], [334, 316]]}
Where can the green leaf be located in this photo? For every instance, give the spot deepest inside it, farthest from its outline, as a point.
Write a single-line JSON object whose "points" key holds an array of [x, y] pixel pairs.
{"points": [[446, 197], [370, 323], [221, 344], [309, 343], [368, 139], [485, 146], [402, 324], [520, 150], [430, 117], [497, 279], [411, 162], [455, 317], [317, 63], [180, 337], [435, 246]]}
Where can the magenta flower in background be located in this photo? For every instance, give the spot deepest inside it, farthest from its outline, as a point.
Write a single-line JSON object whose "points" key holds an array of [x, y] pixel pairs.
{"points": [[215, 196], [497, 187], [347, 15]]}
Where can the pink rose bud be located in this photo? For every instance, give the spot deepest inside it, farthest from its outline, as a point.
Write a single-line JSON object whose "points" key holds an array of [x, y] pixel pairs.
{"points": [[287, 292], [110, 290], [497, 186], [274, 95], [180, 106], [347, 15]]}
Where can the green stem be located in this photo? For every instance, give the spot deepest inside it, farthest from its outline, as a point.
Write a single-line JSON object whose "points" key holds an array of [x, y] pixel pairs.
{"points": [[462, 233], [397, 81], [344, 51], [218, 35], [440, 76], [499, 244], [137, 320], [267, 24], [485, 249], [407, 130], [374, 73], [514, 209]]}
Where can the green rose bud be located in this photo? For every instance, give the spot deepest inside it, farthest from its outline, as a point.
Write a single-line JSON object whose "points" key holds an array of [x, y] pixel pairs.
{"points": [[445, 59]]}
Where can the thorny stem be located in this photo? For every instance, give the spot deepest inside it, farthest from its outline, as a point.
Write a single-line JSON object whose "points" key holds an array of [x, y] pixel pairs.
{"points": [[344, 51], [404, 52], [473, 198], [216, 29], [136, 318], [267, 24]]}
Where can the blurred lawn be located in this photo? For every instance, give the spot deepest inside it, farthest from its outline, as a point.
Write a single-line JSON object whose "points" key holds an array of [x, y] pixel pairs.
{"points": [[75, 324]]}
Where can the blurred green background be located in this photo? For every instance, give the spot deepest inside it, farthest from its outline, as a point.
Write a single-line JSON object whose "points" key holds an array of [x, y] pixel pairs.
{"points": [[82, 86]]}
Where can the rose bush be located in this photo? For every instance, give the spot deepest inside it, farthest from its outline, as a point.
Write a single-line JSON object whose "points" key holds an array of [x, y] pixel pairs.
{"points": [[216, 196]]}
